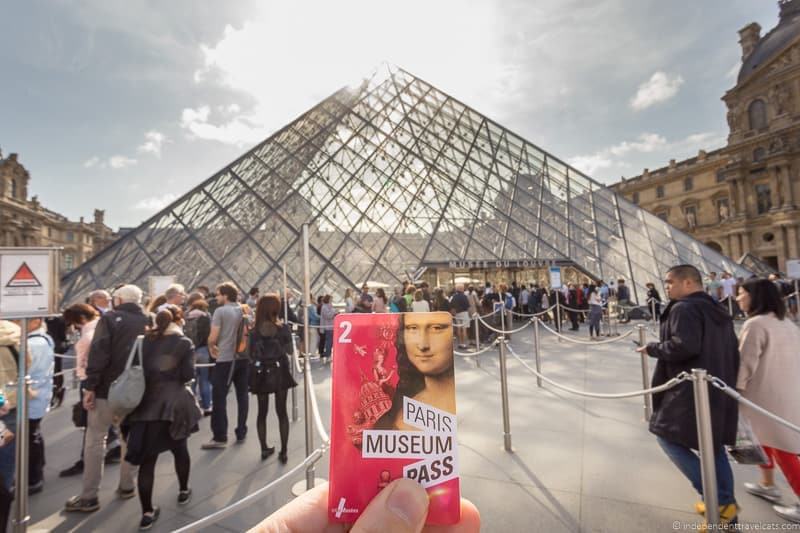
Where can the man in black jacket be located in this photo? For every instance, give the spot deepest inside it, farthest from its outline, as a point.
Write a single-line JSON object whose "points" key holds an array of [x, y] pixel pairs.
{"points": [[696, 332], [113, 339]]}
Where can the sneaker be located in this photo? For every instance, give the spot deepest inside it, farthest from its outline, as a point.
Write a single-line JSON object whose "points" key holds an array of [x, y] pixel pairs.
{"points": [[123, 494], [214, 445], [700, 508], [148, 519], [36, 488], [76, 504], [772, 494], [791, 514], [207, 412], [184, 496], [74, 470]]}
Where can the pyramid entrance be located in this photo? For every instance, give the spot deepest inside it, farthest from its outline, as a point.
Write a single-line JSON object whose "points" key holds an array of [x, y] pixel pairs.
{"points": [[392, 175]]}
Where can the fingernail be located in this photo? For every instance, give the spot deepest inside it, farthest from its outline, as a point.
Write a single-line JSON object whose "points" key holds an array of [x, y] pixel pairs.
{"points": [[409, 501]]}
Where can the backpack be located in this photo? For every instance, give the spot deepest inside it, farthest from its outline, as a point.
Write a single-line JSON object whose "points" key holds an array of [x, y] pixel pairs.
{"points": [[510, 303], [190, 329], [265, 348]]}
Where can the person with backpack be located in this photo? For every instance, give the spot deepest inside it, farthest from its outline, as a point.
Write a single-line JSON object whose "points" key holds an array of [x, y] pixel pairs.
{"points": [[269, 345], [326, 316], [224, 343], [197, 329], [41, 349], [114, 336]]}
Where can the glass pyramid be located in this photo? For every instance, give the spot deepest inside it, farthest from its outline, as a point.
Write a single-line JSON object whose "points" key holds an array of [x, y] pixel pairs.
{"points": [[391, 175]]}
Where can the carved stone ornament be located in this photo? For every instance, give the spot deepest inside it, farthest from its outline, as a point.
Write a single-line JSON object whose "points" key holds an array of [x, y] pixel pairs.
{"points": [[780, 97]]}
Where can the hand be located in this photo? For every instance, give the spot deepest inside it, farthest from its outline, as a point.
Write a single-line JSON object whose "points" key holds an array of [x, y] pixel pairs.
{"points": [[88, 400], [8, 438], [4, 409], [399, 508], [642, 349], [213, 351]]}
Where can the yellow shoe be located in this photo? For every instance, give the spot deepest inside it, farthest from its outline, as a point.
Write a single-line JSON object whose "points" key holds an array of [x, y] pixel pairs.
{"points": [[728, 514]]}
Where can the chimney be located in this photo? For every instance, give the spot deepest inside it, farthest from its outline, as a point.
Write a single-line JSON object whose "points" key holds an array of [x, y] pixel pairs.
{"points": [[99, 217], [672, 164], [748, 38], [701, 155]]}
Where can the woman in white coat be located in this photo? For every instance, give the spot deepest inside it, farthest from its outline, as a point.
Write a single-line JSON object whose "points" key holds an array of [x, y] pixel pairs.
{"points": [[768, 376]]}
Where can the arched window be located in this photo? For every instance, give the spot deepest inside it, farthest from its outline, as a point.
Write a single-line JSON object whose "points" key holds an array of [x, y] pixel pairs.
{"points": [[714, 246], [757, 113]]}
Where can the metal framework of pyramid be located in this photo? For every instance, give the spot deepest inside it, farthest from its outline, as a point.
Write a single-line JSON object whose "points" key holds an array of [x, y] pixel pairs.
{"points": [[391, 175]]}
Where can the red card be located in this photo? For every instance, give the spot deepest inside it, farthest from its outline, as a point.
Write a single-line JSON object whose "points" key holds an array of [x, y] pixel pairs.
{"points": [[393, 411]]}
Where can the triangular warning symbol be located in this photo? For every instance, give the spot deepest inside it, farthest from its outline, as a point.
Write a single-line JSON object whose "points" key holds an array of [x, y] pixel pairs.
{"points": [[24, 277]]}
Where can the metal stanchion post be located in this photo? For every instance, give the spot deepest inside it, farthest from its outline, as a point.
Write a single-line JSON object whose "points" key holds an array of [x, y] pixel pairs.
{"points": [[797, 298], [653, 310], [504, 395], [702, 413], [21, 517], [308, 411], [293, 393], [536, 351], [648, 399], [730, 306], [477, 341], [293, 364]]}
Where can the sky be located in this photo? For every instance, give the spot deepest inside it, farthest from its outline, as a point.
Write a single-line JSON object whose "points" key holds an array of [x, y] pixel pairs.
{"points": [[126, 106]]}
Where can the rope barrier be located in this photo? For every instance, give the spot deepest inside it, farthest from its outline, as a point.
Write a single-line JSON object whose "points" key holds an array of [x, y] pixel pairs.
{"points": [[578, 341], [473, 354], [540, 313], [315, 410], [215, 517], [683, 376], [506, 332], [736, 395], [65, 356]]}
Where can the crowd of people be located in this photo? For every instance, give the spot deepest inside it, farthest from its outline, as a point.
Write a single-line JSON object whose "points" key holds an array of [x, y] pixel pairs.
{"points": [[194, 347]]}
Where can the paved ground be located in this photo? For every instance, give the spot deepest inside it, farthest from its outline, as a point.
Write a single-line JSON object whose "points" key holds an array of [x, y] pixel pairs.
{"points": [[578, 465]]}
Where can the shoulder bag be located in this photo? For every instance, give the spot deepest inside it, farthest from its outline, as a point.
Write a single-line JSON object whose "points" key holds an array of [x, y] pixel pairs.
{"points": [[126, 392]]}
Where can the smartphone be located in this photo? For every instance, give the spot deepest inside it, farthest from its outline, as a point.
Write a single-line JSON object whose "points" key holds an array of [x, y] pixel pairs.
{"points": [[636, 343]]}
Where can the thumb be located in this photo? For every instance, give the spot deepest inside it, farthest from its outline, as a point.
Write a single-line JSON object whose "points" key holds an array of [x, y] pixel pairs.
{"points": [[399, 508]]}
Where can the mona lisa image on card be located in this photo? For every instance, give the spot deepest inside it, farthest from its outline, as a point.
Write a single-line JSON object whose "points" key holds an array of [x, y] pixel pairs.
{"points": [[393, 411]]}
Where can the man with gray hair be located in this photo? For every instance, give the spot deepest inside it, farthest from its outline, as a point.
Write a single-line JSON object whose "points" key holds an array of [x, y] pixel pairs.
{"points": [[114, 336], [100, 300], [175, 295]]}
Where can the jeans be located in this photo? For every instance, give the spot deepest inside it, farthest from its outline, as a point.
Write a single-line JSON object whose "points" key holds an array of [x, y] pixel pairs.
{"points": [[688, 463], [35, 451], [202, 377], [328, 343], [224, 374]]}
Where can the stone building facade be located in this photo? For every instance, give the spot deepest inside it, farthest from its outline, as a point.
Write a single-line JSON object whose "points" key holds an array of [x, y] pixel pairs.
{"points": [[744, 197], [25, 222]]}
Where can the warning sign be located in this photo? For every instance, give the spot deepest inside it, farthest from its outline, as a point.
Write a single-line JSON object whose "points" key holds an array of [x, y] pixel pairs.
{"points": [[24, 278], [28, 282]]}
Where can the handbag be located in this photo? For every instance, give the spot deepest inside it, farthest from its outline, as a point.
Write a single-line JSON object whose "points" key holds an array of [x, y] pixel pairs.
{"points": [[242, 337], [747, 450], [126, 392]]}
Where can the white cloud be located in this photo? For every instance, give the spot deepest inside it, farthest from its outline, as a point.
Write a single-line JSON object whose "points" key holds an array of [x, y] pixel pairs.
{"points": [[154, 140], [239, 130], [91, 162], [120, 161], [155, 203], [617, 156], [659, 88]]}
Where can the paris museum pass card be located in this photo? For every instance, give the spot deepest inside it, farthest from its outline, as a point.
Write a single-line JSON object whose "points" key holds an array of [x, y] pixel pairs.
{"points": [[393, 411]]}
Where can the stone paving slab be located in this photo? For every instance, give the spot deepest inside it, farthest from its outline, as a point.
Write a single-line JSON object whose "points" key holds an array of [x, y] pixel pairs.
{"points": [[578, 464]]}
